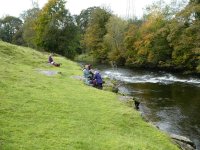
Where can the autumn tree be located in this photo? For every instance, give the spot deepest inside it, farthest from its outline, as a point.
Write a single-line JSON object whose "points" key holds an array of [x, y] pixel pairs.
{"points": [[131, 36], [114, 39], [149, 45], [184, 37], [82, 21], [95, 32], [29, 17]]}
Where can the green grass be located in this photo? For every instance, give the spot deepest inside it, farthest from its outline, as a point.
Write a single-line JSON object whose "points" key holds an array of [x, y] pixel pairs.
{"points": [[60, 112]]}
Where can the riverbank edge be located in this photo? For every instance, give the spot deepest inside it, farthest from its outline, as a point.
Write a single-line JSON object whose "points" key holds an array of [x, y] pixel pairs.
{"points": [[182, 142], [112, 85]]}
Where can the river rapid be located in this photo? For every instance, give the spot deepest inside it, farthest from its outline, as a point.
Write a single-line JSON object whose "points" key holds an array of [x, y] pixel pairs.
{"points": [[170, 101]]}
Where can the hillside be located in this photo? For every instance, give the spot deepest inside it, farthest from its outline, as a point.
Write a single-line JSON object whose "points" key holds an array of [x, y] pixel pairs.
{"points": [[59, 112]]}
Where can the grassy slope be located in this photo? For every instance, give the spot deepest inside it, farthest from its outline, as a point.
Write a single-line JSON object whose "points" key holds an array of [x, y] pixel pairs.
{"points": [[59, 112]]}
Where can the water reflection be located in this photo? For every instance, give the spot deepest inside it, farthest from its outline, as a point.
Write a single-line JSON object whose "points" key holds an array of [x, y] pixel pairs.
{"points": [[172, 102]]}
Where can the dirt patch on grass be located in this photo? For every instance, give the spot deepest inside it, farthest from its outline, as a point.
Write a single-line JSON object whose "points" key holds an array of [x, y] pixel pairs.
{"points": [[77, 77], [48, 72]]}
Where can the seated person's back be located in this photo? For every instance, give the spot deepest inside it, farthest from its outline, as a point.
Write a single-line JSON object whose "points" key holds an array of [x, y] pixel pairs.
{"points": [[87, 75], [51, 59], [98, 79]]}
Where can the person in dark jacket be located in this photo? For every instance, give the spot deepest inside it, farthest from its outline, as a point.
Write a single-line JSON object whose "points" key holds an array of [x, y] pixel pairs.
{"points": [[98, 80], [51, 59], [52, 62]]}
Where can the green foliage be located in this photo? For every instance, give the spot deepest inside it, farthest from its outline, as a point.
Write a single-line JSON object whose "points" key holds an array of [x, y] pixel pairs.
{"points": [[165, 41], [147, 44], [116, 28], [83, 18], [9, 26], [160, 51], [196, 9], [184, 38], [95, 32], [82, 21], [60, 112], [55, 29], [167, 36], [29, 34], [130, 38]]}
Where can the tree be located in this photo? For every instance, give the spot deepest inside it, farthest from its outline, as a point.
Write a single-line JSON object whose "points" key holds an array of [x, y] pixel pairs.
{"points": [[18, 37], [95, 32], [55, 29], [131, 36], [116, 28], [195, 4], [147, 44], [30, 17], [84, 17], [147, 47], [82, 21], [184, 37], [9, 26]]}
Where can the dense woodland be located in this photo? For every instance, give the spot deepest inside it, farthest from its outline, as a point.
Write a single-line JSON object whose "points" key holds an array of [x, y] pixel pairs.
{"points": [[166, 37]]}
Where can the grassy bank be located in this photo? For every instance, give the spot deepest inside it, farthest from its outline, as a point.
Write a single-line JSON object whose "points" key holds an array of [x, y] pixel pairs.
{"points": [[59, 112]]}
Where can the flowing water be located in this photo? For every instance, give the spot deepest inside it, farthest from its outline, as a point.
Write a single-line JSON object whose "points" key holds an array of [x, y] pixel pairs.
{"points": [[170, 101]]}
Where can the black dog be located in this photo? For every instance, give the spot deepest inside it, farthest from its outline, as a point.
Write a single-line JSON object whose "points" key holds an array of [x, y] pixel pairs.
{"points": [[137, 104]]}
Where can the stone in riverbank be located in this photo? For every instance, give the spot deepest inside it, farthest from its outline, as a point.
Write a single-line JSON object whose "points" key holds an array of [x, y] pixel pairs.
{"points": [[184, 142], [130, 101]]}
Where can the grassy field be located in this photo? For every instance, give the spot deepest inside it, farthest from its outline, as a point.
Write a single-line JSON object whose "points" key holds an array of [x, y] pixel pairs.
{"points": [[59, 112]]}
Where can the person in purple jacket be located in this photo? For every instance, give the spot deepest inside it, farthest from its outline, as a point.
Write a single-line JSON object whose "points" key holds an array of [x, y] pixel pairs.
{"points": [[98, 80]]}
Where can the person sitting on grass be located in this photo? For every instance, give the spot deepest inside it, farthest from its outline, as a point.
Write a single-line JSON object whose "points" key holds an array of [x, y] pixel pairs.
{"points": [[52, 62], [87, 75], [98, 80], [91, 71]]}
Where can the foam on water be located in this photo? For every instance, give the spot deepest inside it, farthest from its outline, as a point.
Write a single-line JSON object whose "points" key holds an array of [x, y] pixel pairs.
{"points": [[151, 78]]}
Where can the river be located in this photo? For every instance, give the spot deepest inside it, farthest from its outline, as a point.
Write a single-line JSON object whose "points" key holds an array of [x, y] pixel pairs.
{"points": [[170, 101]]}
